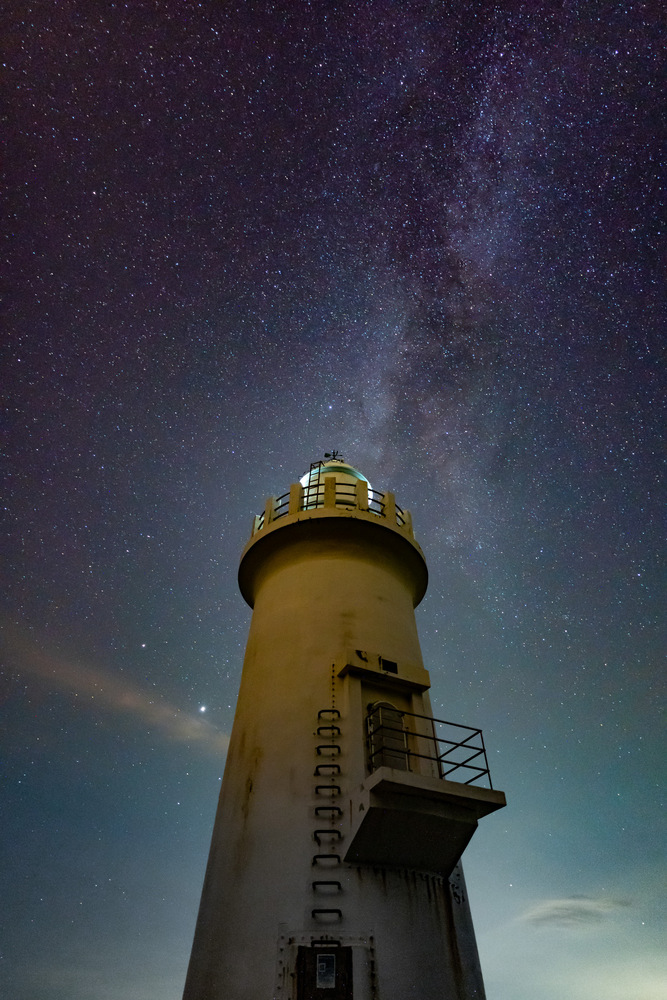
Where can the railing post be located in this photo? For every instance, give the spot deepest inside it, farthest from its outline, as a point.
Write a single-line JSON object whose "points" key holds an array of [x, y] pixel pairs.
{"points": [[269, 508], [390, 507], [329, 491], [407, 523], [295, 498], [362, 494]]}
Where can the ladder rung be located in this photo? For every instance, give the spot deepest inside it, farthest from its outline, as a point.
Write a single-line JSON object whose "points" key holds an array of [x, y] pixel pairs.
{"points": [[332, 790], [338, 914], [328, 811], [334, 834], [328, 884], [332, 730], [330, 747], [332, 713], [318, 859], [327, 769]]}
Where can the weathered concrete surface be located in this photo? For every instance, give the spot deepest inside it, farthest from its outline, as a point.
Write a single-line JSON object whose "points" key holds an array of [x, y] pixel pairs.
{"points": [[333, 593]]}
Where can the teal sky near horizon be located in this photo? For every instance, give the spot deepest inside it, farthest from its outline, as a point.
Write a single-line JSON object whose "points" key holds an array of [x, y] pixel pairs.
{"points": [[240, 236]]}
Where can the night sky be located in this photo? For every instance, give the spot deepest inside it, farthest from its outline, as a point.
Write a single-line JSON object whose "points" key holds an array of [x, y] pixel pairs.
{"points": [[241, 235]]}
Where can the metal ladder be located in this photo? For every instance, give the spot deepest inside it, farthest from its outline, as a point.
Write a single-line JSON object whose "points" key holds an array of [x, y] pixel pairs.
{"points": [[328, 838]]}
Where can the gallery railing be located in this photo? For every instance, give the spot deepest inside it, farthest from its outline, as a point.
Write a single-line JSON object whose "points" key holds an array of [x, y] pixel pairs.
{"points": [[419, 743], [346, 496]]}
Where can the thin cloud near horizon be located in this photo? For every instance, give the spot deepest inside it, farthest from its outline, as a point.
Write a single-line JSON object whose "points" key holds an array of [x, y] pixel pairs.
{"points": [[574, 911], [112, 692]]}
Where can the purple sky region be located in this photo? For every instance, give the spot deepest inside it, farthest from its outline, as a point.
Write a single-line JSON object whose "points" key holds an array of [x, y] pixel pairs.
{"points": [[239, 236]]}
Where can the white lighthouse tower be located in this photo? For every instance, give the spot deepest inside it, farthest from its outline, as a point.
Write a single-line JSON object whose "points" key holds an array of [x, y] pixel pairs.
{"points": [[345, 807]]}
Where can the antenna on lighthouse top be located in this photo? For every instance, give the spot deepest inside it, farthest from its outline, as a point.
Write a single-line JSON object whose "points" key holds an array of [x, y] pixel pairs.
{"points": [[336, 455]]}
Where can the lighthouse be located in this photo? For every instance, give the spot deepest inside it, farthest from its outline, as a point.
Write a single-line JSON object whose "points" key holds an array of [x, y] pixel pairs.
{"points": [[334, 871]]}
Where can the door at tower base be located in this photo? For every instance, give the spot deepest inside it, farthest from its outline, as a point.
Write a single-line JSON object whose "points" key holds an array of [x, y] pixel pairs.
{"points": [[324, 973]]}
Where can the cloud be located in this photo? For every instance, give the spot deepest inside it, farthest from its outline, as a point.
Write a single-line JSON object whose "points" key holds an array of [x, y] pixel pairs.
{"points": [[573, 911], [116, 693]]}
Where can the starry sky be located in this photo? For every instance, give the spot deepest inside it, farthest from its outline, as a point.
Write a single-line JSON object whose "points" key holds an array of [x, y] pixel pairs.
{"points": [[241, 235]]}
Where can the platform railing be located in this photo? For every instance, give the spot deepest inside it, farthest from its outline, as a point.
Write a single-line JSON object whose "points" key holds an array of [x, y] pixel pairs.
{"points": [[345, 496], [425, 745]]}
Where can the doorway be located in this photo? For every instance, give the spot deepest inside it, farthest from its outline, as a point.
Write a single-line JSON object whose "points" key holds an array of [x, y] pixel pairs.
{"points": [[324, 972]]}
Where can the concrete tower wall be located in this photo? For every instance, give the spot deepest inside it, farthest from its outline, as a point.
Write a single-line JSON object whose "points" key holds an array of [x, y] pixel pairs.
{"points": [[333, 630]]}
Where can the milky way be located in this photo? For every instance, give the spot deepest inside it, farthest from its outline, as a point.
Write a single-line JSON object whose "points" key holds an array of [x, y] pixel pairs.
{"points": [[426, 235]]}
